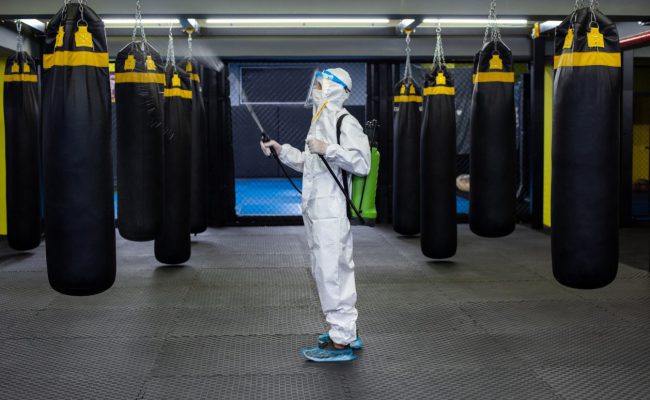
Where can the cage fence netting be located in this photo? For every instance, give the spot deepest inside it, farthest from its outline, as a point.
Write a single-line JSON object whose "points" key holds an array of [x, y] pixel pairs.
{"points": [[275, 94], [462, 74]]}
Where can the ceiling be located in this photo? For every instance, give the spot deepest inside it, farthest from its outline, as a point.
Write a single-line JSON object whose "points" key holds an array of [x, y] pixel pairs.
{"points": [[344, 43], [533, 9]]}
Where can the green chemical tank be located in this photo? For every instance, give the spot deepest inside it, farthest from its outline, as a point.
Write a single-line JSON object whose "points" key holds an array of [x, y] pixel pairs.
{"points": [[364, 189]]}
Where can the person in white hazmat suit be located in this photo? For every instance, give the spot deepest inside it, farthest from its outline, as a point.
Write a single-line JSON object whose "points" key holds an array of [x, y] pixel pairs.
{"points": [[324, 209]]}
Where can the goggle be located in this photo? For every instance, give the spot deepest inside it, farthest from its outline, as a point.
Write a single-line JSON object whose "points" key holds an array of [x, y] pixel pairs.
{"points": [[331, 77]]}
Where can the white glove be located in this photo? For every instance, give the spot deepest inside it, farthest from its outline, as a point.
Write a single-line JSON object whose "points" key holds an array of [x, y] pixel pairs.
{"points": [[317, 146], [266, 147]]}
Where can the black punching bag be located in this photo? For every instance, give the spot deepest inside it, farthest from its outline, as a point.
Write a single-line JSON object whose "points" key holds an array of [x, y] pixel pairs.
{"points": [[139, 84], [406, 158], [586, 109], [199, 191], [438, 167], [77, 164], [493, 162], [21, 110], [172, 245]]}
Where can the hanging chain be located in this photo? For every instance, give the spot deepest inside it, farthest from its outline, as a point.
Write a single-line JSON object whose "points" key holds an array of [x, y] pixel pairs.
{"points": [[81, 12], [408, 72], [593, 7], [63, 13], [189, 43], [19, 28], [439, 53], [135, 26], [139, 24], [593, 4], [496, 32], [492, 30], [171, 58]]}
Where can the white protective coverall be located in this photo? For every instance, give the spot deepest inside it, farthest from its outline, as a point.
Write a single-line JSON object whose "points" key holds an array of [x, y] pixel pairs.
{"points": [[324, 208]]}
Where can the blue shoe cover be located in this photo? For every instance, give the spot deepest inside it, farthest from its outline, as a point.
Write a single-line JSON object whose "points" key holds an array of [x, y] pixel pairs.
{"points": [[317, 354], [324, 340]]}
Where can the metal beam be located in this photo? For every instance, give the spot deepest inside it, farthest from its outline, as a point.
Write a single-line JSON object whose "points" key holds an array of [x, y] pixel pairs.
{"points": [[636, 41], [265, 47], [549, 9]]}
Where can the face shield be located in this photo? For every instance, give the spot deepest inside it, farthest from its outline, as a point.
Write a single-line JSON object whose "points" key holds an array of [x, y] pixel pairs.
{"points": [[314, 93], [323, 83]]}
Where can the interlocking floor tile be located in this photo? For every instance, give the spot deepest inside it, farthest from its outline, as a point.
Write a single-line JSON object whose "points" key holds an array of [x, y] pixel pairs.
{"points": [[491, 322]]}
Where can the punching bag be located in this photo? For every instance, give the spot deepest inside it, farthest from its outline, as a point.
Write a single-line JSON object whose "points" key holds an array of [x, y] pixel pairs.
{"points": [[438, 166], [585, 178], [78, 173], [21, 110], [139, 84], [172, 245], [493, 157], [406, 158], [199, 191]]}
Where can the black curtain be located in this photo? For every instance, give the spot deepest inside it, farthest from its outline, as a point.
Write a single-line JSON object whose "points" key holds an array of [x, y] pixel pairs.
{"points": [[382, 77], [221, 170]]}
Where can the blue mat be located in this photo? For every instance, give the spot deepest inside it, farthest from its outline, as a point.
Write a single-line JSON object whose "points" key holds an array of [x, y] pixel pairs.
{"points": [[267, 197], [276, 197], [462, 206]]}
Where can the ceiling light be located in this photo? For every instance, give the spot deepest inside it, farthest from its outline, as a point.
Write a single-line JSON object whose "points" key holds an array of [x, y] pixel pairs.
{"points": [[296, 22], [34, 23], [472, 22], [548, 25], [147, 22], [193, 22]]}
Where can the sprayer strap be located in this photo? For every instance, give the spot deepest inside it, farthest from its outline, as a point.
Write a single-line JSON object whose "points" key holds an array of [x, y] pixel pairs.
{"points": [[344, 186], [339, 123]]}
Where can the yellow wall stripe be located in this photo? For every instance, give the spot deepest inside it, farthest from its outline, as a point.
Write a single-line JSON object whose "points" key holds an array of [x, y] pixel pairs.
{"points": [[488, 77], [640, 144], [3, 170], [21, 78], [139, 77], [408, 99], [548, 141], [178, 92], [75, 59], [439, 90], [588, 59]]}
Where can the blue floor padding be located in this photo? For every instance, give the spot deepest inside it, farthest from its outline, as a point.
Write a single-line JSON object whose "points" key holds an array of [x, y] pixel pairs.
{"points": [[276, 197], [267, 197], [462, 205]]}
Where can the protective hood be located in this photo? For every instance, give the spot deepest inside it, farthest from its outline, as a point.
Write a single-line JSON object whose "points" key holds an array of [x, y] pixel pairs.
{"points": [[336, 85]]}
